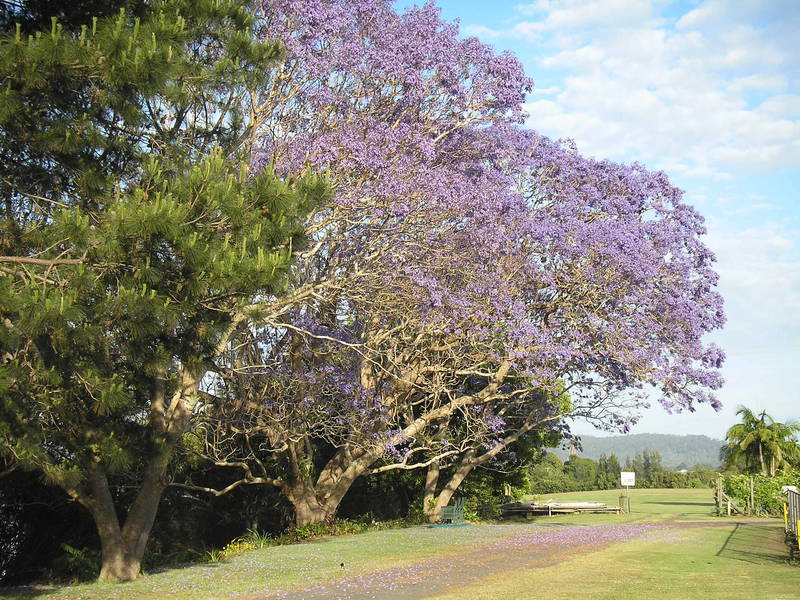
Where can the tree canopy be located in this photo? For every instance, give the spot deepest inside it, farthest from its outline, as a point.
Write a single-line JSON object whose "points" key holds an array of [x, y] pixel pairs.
{"points": [[760, 444], [468, 271], [135, 237]]}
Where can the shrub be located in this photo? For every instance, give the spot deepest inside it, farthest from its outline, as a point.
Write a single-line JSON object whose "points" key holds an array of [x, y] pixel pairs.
{"points": [[75, 565], [767, 496]]}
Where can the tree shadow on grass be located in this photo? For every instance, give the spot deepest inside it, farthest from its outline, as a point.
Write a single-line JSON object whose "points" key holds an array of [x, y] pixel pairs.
{"points": [[25, 591], [755, 544], [44, 589]]}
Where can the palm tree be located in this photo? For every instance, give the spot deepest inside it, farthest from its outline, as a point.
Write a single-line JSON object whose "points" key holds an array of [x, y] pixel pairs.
{"points": [[782, 446], [760, 444]]}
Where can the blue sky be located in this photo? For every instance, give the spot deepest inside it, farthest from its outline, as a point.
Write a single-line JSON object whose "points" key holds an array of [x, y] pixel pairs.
{"points": [[708, 91]]}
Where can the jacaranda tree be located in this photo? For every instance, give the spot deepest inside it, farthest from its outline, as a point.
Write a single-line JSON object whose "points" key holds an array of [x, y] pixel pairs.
{"points": [[134, 238], [468, 273]]}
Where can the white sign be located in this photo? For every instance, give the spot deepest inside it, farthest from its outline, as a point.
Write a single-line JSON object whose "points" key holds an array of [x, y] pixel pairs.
{"points": [[628, 478]]}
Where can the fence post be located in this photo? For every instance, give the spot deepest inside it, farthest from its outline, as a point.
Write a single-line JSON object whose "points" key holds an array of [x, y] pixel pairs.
{"points": [[796, 529], [792, 515]]}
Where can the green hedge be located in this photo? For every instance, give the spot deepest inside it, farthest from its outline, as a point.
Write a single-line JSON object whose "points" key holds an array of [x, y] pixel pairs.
{"points": [[767, 496]]}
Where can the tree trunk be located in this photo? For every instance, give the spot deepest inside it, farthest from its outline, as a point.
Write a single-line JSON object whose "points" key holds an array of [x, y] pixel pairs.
{"points": [[429, 495], [456, 479], [119, 562], [469, 461], [307, 509], [761, 459], [122, 547], [299, 487], [317, 501], [309, 501]]}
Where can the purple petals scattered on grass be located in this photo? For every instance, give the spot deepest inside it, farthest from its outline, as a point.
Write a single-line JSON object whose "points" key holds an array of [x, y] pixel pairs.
{"points": [[431, 574], [572, 536]]}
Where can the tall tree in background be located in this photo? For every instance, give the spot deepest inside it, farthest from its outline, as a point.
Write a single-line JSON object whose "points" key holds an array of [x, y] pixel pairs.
{"points": [[134, 239], [760, 444], [644, 464], [608, 470]]}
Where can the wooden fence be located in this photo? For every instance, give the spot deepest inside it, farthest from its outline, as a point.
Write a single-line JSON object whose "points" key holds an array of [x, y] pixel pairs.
{"points": [[791, 514], [725, 504]]}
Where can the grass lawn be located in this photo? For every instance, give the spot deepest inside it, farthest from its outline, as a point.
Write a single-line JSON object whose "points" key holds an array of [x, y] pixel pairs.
{"points": [[285, 567], [646, 506], [736, 562], [745, 560], [733, 561]]}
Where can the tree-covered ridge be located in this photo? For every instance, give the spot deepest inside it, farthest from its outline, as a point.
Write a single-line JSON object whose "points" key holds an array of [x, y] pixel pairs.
{"points": [[677, 451]]}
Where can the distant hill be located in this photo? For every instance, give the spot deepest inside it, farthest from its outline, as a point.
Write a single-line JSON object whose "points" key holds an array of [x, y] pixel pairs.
{"points": [[675, 450]]}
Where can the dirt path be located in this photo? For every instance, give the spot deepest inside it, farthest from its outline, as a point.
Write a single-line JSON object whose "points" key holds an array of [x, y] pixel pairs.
{"points": [[544, 546]]}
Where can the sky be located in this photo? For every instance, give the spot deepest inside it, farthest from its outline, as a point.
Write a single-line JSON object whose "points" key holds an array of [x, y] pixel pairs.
{"points": [[709, 92]]}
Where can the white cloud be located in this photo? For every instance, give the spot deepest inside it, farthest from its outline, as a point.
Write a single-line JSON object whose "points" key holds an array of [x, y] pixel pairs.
{"points": [[714, 92], [481, 31], [785, 106], [718, 14], [531, 8], [583, 13], [759, 270], [774, 83]]}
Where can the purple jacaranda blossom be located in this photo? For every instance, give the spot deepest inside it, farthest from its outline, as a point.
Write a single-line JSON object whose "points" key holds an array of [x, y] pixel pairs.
{"points": [[472, 280]]}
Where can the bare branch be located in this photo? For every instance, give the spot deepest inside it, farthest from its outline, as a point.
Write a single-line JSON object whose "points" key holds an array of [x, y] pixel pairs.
{"points": [[26, 260]]}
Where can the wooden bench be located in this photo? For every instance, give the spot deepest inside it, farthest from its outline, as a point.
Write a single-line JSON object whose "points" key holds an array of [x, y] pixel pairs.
{"points": [[453, 513], [528, 509]]}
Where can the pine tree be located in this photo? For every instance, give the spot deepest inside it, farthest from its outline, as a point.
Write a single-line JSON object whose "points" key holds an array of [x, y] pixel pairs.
{"points": [[133, 240], [36, 15]]}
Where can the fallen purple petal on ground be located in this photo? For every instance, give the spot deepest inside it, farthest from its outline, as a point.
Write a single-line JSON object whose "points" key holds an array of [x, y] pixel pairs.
{"points": [[422, 578]]}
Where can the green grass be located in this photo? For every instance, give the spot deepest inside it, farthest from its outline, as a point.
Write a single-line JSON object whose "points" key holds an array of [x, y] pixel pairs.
{"points": [[687, 566], [285, 567], [735, 562], [743, 560], [646, 506]]}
